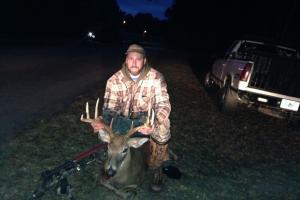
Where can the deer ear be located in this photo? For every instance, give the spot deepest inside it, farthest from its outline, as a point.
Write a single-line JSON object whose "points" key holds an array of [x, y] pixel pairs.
{"points": [[104, 136], [136, 142]]}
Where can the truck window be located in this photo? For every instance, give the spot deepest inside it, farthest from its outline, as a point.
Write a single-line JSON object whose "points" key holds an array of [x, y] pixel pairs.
{"points": [[231, 48], [247, 48]]}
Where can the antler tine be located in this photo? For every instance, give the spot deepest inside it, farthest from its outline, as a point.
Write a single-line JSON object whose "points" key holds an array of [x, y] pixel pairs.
{"points": [[133, 130], [149, 113], [131, 127], [88, 119], [85, 120], [96, 109], [87, 110], [109, 128], [111, 123], [152, 117]]}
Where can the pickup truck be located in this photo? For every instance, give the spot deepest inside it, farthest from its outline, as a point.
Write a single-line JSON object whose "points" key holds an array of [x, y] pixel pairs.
{"points": [[258, 74]]}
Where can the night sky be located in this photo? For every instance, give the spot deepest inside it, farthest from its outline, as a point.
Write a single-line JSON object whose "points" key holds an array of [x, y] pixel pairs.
{"points": [[156, 7]]}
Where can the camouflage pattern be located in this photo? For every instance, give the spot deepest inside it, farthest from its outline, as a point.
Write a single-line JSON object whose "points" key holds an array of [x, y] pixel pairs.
{"points": [[127, 100]]}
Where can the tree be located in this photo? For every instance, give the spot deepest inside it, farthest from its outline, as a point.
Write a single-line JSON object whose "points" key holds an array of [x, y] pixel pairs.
{"points": [[59, 18], [208, 23]]}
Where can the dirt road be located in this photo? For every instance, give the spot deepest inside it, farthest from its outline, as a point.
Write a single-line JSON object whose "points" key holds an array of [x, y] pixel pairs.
{"points": [[36, 82]]}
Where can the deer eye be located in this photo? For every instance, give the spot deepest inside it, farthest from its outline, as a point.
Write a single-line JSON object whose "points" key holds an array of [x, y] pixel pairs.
{"points": [[125, 150]]}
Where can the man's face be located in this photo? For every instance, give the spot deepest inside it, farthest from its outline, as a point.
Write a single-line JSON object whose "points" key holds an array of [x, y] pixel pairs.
{"points": [[135, 62]]}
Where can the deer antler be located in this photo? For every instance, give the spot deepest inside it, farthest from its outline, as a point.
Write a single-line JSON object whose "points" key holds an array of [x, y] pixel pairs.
{"points": [[88, 119], [149, 122], [96, 118]]}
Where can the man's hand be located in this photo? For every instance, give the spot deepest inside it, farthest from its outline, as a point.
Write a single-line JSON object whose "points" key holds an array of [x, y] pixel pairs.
{"points": [[97, 125], [146, 130]]}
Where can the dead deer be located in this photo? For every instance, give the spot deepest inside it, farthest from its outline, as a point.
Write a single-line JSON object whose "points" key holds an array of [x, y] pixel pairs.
{"points": [[126, 162]]}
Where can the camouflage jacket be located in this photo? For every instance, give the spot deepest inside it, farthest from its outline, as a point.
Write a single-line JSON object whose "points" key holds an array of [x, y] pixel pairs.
{"points": [[130, 99]]}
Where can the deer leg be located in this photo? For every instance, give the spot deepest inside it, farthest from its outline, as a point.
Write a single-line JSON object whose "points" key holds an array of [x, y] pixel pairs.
{"points": [[110, 187], [130, 190]]}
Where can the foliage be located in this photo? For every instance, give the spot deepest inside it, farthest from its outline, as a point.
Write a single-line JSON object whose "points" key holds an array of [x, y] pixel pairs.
{"points": [[209, 23], [67, 18]]}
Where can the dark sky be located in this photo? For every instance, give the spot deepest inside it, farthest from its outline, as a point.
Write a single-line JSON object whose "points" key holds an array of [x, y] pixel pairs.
{"points": [[203, 19], [155, 7]]}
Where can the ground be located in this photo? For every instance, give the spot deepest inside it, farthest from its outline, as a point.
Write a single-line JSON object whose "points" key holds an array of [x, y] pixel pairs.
{"points": [[246, 155]]}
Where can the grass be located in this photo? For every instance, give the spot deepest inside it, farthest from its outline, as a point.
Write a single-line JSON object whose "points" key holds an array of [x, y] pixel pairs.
{"points": [[243, 156]]}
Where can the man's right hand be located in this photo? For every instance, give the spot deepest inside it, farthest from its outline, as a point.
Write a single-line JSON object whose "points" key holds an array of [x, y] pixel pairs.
{"points": [[97, 125]]}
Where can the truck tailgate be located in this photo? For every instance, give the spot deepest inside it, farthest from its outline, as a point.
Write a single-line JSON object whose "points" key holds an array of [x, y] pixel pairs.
{"points": [[276, 74]]}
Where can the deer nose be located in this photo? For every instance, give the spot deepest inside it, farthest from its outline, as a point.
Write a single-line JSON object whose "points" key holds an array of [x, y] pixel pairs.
{"points": [[111, 172]]}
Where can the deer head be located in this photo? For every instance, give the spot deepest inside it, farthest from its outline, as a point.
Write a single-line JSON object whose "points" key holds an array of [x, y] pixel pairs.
{"points": [[121, 164]]}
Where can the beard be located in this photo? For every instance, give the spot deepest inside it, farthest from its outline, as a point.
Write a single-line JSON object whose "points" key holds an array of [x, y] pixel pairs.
{"points": [[135, 70]]}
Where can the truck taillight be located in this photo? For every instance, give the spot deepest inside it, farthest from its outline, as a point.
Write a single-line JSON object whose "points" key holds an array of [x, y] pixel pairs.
{"points": [[246, 72]]}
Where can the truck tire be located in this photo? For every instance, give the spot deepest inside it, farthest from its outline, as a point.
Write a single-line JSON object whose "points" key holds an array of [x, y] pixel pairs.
{"points": [[228, 101]]}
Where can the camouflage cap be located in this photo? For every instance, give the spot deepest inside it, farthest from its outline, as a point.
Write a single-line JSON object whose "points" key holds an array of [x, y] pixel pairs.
{"points": [[136, 48]]}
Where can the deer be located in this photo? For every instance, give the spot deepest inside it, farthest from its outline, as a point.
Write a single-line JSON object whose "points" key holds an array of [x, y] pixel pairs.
{"points": [[126, 163]]}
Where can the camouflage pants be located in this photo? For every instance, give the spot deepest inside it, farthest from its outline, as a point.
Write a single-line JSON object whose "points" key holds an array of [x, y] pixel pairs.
{"points": [[158, 154]]}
